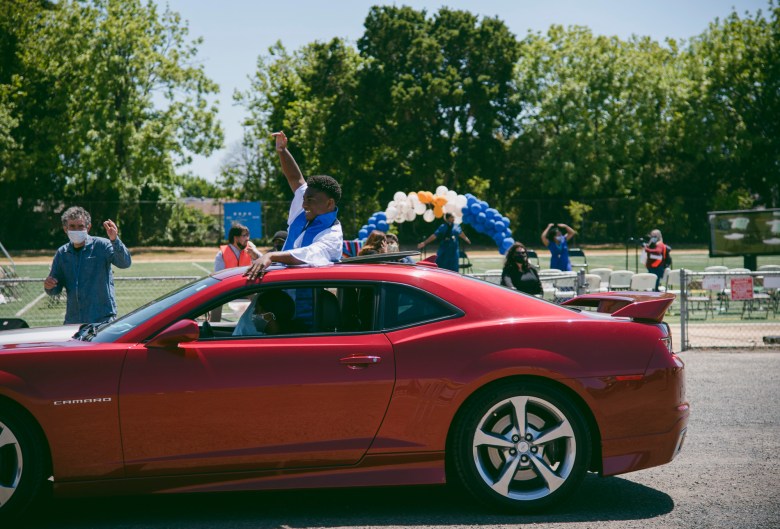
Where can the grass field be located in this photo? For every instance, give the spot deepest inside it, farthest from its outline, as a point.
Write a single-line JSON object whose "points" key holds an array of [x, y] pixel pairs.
{"points": [[28, 300]]}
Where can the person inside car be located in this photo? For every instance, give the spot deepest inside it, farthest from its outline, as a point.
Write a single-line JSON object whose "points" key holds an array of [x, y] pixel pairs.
{"points": [[271, 312]]}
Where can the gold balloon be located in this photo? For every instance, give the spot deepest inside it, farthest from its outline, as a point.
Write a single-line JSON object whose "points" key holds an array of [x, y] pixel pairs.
{"points": [[438, 211]]}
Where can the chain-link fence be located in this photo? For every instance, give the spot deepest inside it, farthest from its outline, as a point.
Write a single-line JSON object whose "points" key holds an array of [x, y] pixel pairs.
{"points": [[25, 298], [717, 308], [727, 308]]}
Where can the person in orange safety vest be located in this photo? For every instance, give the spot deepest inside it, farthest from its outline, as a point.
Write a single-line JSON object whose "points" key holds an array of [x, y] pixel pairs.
{"points": [[238, 252], [657, 256]]}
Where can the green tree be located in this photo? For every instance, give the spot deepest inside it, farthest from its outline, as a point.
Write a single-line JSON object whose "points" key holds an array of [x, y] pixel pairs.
{"points": [[108, 103]]}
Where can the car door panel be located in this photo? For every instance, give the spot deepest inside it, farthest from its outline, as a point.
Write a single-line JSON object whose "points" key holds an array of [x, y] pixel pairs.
{"points": [[254, 403]]}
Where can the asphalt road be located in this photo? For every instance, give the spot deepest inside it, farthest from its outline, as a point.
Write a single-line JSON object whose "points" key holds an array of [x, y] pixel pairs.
{"points": [[727, 476]]}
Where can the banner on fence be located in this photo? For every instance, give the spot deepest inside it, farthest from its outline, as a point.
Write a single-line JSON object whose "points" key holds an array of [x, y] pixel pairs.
{"points": [[246, 213], [717, 283], [741, 288]]}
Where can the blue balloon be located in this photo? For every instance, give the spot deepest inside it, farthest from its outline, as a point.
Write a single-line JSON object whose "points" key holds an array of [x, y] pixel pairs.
{"points": [[481, 218], [475, 209], [470, 199], [380, 215], [363, 233], [372, 220], [507, 243], [382, 225], [371, 226], [491, 212], [500, 226], [506, 220], [490, 225], [484, 204]]}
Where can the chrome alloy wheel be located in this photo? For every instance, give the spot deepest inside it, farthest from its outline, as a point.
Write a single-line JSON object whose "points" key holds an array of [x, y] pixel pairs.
{"points": [[11, 463], [524, 448]]}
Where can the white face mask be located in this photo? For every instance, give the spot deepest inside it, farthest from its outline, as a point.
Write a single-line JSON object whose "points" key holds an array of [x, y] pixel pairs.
{"points": [[260, 322], [77, 237], [392, 247]]}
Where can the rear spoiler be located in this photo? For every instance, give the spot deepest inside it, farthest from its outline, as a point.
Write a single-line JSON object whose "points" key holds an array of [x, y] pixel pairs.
{"points": [[644, 306]]}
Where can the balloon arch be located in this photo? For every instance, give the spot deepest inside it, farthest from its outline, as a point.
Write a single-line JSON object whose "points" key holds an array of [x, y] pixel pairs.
{"points": [[467, 209]]}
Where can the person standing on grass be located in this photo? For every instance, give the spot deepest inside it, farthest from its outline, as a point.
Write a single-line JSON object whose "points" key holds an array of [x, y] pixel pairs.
{"points": [[555, 241], [83, 268], [448, 254], [239, 251], [656, 256]]}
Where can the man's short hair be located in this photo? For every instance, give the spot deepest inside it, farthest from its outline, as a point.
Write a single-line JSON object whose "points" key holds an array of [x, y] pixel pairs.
{"points": [[448, 216], [75, 213], [236, 230], [326, 184]]}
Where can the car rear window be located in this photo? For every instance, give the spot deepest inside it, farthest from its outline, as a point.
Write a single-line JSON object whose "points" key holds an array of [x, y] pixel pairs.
{"points": [[404, 306]]}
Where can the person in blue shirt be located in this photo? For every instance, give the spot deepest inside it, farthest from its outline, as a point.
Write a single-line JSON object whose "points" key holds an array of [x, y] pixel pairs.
{"points": [[555, 241], [83, 268], [447, 234]]}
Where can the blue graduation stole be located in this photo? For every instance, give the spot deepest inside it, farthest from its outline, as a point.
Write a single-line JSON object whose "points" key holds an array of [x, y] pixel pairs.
{"points": [[318, 225]]}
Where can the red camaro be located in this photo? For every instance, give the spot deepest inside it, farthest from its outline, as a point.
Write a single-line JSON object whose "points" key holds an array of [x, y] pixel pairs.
{"points": [[342, 376]]}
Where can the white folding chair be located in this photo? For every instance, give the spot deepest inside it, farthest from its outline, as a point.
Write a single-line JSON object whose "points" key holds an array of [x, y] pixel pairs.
{"points": [[643, 282], [593, 284], [620, 279], [604, 274]]}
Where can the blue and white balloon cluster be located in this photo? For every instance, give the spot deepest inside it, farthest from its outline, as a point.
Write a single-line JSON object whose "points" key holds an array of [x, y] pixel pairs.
{"points": [[377, 221], [405, 207], [488, 221]]}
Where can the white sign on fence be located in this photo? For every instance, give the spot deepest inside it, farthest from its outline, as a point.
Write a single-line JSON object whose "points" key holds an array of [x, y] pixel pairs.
{"points": [[717, 283]]}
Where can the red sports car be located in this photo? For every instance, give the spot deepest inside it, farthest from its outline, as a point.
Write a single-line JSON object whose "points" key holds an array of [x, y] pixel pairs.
{"points": [[347, 375]]}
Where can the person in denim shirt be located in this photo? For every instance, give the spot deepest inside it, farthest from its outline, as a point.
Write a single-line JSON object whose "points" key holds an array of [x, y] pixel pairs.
{"points": [[83, 268]]}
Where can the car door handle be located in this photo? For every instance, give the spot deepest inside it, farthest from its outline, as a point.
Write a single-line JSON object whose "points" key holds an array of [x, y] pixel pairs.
{"points": [[360, 361]]}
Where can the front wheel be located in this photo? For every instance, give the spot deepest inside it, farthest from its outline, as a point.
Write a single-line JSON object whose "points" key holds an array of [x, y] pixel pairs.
{"points": [[521, 447], [21, 465]]}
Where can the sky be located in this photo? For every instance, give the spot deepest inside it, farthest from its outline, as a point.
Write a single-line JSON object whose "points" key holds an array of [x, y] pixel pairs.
{"points": [[236, 32]]}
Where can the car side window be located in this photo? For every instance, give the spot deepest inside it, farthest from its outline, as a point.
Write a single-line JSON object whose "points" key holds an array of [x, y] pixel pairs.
{"points": [[293, 310], [404, 306]]}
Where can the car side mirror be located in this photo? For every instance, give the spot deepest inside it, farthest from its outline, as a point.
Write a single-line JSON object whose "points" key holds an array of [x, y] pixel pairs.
{"points": [[180, 332]]}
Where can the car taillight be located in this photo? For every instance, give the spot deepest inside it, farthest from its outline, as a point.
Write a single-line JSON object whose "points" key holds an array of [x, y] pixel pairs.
{"points": [[667, 341]]}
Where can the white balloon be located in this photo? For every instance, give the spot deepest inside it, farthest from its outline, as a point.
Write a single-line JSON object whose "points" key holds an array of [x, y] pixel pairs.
{"points": [[391, 213], [400, 219], [450, 207], [441, 190], [413, 197], [391, 204], [452, 196], [399, 195], [461, 201], [429, 215], [410, 215], [419, 208]]}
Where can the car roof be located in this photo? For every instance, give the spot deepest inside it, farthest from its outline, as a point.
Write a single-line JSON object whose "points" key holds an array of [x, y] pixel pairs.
{"points": [[386, 258]]}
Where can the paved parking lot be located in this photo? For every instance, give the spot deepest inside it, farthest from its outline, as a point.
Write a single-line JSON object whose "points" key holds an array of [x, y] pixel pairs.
{"points": [[726, 477]]}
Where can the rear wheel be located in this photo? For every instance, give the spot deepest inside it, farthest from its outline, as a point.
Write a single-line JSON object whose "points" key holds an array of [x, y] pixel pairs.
{"points": [[521, 447], [21, 464]]}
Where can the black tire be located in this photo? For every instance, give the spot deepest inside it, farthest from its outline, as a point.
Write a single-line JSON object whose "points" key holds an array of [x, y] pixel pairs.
{"points": [[520, 469], [22, 464]]}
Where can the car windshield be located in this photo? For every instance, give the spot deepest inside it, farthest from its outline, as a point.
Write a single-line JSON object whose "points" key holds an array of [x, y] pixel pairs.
{"points": [[116, 329]]}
